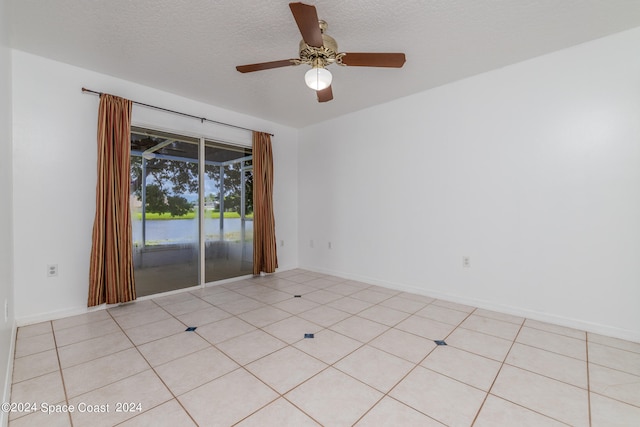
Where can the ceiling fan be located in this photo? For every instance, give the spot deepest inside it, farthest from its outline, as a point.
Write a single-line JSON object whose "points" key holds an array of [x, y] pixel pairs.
{"points": [[320, 50]]}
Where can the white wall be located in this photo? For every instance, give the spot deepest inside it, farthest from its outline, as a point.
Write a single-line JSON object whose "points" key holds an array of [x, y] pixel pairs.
{"points": [[55, 175], [533, 171], [6, 218]]}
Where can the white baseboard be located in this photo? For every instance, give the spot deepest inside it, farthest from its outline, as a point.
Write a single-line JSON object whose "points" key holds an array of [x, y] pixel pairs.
{"points": [[583, 325], [230, 280], [6, 394], [59, 314], [286, 268]]}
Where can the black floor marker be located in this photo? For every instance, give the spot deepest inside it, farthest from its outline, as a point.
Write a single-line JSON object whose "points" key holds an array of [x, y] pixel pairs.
{"points": [[308, 335], [297, 296], [191, 329], [440, 342]]}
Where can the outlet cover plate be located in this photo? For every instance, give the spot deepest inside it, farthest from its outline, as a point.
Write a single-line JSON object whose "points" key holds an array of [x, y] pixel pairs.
{"points": [[52, 270]]}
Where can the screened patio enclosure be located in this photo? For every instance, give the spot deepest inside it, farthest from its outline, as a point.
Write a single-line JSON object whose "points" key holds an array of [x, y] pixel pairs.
{"points": [[192, 210]]}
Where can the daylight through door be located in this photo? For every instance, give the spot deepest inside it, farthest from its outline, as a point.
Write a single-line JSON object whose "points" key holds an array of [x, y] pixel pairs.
{"points": [[166, 210]]}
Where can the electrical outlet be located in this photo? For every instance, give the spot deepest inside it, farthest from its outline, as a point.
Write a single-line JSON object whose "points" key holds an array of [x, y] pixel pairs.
{"points": [[52, 270], [281, 242], [311, 243], [329, 245], [466, 262]]}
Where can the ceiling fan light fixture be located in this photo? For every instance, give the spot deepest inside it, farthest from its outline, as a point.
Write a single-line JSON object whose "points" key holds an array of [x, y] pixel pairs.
{"points": [[318, 78], [320, 50]]}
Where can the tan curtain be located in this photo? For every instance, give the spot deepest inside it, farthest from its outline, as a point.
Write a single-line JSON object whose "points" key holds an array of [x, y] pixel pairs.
{"points": [[264, 233], [111, 277]]}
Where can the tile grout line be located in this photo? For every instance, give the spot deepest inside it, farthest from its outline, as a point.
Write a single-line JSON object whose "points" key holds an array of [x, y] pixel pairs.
{"points": [[552, 352], [553, 332], [546, 376], [313, 356], [388, 328], [240, 366], [612, 368], [535, 373], [291, 345], [243, 366], [64, 384], [234, 315], [154, 371], [13, 383], [488, 392], [300, 409], [280, 395], [351, 315], [406, 375], [210, 344], [544, 350]]}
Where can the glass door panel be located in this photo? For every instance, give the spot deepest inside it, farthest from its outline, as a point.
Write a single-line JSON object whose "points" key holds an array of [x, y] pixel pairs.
{"points": [[164, 209], [228, 211]]}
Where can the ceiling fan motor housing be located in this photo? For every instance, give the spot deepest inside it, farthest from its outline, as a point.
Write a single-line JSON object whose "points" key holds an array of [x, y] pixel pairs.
{"points": [[319, 50], [323, 55]]}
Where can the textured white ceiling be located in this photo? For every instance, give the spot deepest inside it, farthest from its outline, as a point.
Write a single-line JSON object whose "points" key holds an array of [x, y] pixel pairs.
{"points": [[191, 47]]}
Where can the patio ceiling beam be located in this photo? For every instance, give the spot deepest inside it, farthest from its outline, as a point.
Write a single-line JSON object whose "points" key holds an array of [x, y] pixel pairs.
{"points": [[241, 159], [187, 159], [149, 152], [176, 158]]}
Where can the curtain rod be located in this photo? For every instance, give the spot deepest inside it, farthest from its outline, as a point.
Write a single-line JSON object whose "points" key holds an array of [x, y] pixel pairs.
{"points": [[202, 119]]}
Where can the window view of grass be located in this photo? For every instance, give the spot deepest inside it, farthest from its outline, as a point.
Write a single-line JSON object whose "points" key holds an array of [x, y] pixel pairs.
{"points": [[151, 216]]}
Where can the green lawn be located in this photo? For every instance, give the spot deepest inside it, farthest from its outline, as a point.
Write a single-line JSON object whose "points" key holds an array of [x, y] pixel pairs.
{"points": [[152, 216]]}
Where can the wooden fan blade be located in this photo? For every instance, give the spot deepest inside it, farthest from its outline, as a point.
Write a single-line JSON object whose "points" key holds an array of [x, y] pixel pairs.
{"points": [[307, 19], [325, 95], [360, 59], [264, 66]]}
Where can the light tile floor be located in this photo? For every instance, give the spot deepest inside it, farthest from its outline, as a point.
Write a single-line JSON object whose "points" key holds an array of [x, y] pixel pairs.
{"points": [[372, 362]]}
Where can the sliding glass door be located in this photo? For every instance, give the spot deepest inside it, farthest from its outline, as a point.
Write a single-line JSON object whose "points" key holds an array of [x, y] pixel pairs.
{"points": [[165, 206], [228, 224]]}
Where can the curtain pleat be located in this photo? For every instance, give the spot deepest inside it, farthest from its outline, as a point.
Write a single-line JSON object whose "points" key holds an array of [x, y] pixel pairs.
{"points": [[111, 278], [264, 234]]}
